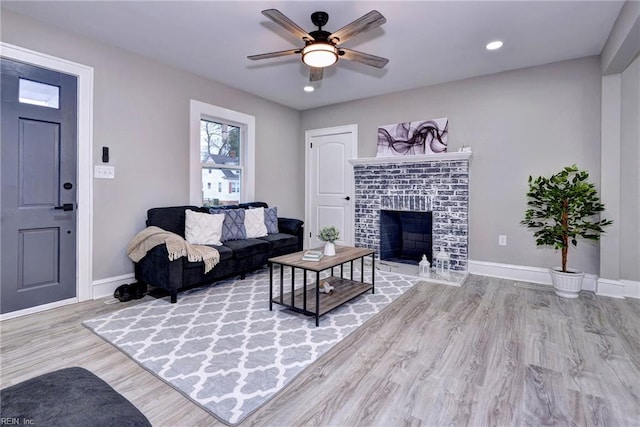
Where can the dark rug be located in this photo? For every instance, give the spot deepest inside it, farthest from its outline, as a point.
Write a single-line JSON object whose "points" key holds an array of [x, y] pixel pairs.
{"points": [[68, 397]]}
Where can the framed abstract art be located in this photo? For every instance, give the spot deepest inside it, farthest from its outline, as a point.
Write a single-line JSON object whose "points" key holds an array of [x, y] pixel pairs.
{"points": [[411, 138]]}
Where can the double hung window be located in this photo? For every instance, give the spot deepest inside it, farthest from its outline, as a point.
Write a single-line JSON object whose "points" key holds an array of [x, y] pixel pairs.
{"points": [[220, 154], [222, 161]]}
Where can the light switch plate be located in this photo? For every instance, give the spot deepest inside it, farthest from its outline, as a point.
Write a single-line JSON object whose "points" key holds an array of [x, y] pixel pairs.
{"points": [[104, 172]]}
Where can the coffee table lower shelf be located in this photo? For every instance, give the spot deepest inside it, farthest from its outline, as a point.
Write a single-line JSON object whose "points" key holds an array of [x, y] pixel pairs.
{"points": [[344, 291]]}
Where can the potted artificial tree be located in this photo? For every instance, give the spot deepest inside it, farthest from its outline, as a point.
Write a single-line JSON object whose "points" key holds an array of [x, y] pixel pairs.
{"points": [[563, 208]]}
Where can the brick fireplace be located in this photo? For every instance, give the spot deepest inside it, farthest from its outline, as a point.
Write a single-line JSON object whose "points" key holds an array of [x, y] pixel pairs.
{"points": [[437, 184]]}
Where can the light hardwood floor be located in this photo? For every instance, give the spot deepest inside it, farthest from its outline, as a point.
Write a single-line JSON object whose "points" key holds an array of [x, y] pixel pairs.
{"points": [[491, 353]]}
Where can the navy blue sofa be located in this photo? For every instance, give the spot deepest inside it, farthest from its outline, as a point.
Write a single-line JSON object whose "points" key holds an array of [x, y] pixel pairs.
{"points": [[237, 257]]}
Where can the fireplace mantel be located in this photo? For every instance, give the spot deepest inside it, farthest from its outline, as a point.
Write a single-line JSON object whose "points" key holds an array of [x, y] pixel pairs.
{"points": [[411, 159]]}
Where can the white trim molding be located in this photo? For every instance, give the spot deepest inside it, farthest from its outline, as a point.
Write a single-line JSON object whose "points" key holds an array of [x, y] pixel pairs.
{"points": [[84, 246], [197, 111], [419, 158], [610, 288], [37, 309], [631, 288], [618, 288], [524, 273], [105, 287]]}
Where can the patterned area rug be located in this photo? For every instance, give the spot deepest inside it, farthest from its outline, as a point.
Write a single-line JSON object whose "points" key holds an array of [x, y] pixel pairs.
{"points": [[221, 346]]}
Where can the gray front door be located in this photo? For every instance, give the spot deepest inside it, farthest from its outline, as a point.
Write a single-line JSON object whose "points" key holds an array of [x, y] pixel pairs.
{"points": [[38, 180]]}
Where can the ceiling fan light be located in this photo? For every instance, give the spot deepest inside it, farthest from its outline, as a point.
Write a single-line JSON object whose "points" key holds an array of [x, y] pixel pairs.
{"points": [[319, 55]]}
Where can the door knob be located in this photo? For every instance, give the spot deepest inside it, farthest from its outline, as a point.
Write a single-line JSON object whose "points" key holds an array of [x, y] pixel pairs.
{"points": [[347, 198], [66, 207]]}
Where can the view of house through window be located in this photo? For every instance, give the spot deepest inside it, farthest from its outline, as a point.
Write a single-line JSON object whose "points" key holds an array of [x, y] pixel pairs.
{"points": [[220, 151]]}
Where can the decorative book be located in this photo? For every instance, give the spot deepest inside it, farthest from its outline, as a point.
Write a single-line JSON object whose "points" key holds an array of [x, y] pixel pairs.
{"points": [[312, 256]]}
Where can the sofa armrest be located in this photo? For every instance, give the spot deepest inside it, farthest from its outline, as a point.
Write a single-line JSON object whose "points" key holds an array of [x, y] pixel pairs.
{"points": [[290, 225], [157, 270], [295, 227]]}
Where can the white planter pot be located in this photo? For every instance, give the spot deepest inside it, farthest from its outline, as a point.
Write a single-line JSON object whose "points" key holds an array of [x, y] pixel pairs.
{"points": [[567, 284], [329, 249]]}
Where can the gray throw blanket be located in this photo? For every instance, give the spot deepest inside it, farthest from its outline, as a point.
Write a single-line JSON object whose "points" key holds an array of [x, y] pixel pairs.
{"points": [[177, 247]]}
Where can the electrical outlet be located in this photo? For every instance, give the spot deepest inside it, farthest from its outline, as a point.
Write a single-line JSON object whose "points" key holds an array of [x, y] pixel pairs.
{"points": [[502, 240], [104, 172]]}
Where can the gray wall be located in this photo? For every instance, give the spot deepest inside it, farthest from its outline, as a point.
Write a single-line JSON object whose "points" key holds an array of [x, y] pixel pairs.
{"points": [[531, 121], [142, 113], [630, 173], [620, 155]]}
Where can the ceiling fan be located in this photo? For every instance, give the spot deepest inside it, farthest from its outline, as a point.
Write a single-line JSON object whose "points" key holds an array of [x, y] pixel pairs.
{"points": [[322, 48]]}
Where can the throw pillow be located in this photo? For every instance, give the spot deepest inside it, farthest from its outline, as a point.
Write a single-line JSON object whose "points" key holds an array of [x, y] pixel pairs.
{"points": [[254, 223], [271, 220], [203, 228], [233, 225]]}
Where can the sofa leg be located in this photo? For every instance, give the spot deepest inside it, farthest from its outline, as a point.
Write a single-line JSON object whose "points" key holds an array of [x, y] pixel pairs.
{"points": [[174, 296], [242, 276]]}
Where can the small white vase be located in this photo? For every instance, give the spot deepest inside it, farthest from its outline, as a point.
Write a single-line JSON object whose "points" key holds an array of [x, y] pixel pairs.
{"points": [[567, 284], [329, 249]]}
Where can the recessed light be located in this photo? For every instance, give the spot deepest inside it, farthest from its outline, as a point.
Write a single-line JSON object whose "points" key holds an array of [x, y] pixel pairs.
{"points": [[497, 44], [309, 88]]}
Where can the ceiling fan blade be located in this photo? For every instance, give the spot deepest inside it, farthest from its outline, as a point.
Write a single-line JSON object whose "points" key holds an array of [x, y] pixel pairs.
{"points": [[279, 18], [274, 54], [367, 22], [315, 74], [365, 58]]}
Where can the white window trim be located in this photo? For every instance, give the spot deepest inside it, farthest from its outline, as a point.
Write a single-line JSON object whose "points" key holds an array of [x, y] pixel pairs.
{"points": [[199, 110]]}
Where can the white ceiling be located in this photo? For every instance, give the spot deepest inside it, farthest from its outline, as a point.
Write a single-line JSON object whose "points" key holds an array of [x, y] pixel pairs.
{"points": [[427, 42]]}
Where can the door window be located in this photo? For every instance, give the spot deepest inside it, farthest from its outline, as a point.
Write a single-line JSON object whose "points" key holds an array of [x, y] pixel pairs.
{"points": [[44, 95]]}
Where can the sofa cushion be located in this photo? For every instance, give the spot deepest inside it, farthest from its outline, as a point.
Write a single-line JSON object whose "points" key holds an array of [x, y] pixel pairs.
{"points": [[169, 219], [271, 220], [247, 247], [233, 225], [254, 223], [203, 228], [280, 240]]}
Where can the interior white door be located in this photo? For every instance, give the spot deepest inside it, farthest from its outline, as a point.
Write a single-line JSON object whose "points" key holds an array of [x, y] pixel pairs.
{"points": [[330, 182]]}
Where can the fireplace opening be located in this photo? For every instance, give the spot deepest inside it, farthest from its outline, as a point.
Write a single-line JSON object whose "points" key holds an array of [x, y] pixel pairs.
{"points": [[405, 236]]}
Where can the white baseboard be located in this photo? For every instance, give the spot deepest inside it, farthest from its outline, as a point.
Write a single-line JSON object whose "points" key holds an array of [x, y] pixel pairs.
{"points": [[631, 288], [99, 289], [105, 287], [524, 273], [610, 288], [618, 288], [37, 309]]}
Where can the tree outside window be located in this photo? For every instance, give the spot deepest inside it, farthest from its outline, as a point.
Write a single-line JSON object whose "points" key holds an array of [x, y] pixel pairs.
{"points": [[220, 151]]}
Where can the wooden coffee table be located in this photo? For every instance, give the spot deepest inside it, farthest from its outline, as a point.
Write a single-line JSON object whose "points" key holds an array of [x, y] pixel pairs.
{"points": [[308, 299]]}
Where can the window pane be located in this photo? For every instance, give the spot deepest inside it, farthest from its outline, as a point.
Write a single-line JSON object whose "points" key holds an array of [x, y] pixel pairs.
{"points": [[219, 143], [41, 94], [220, 186]]}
